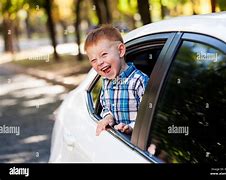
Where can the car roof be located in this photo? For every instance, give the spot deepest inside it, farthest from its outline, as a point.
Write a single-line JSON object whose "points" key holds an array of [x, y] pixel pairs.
{"points": [[213, 24]]}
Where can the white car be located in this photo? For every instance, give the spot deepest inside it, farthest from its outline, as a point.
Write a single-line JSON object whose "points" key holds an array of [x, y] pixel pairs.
{"points": [[182, 116]]}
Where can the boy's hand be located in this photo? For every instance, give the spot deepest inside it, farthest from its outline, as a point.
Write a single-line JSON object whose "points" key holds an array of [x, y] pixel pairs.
{"points": [[125, 128], [152, 149], [102, 124]]}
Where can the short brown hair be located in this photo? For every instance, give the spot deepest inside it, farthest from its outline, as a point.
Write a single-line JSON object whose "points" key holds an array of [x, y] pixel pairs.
{"points": [[105, 31]]}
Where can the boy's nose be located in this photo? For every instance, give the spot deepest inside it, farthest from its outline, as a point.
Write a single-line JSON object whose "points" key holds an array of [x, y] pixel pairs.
{"points": [[99, 61]]}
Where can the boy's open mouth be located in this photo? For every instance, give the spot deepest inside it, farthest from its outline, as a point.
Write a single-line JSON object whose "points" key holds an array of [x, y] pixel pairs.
{"points": [[106, 69]]}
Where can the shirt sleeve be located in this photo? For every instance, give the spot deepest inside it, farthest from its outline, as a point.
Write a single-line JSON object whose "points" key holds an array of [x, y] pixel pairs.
{"points": [[132, 124], [105, 110], [140, 86]]}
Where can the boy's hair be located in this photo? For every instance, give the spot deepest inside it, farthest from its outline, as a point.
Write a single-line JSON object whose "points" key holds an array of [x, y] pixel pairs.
{"points": [[105, 31]]}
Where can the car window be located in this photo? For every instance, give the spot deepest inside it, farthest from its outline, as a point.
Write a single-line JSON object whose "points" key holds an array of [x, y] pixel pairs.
{"points": [[189, 123], [144, 60], [95, 95]]}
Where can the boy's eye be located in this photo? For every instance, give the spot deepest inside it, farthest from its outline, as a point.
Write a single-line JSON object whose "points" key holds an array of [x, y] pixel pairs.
{"points": [[93, 60], [104, 54]]}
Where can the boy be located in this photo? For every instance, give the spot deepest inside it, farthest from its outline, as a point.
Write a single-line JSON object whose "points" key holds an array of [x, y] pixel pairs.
{"points": [[123, 85]]}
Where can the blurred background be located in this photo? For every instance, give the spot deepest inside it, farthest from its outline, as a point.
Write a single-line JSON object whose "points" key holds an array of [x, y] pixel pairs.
{"points": [[42, 59]]}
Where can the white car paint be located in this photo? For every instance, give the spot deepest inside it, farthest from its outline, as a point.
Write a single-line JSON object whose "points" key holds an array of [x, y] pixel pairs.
{"points": [[209, 24], [70, 146], [74, 139]]}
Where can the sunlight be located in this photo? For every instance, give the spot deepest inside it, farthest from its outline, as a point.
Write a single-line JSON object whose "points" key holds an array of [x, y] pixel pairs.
{"points": [[44, 90], [8, 102], [39, 102], [20, 83], [70, 48], [34, 139], [20, 157]]}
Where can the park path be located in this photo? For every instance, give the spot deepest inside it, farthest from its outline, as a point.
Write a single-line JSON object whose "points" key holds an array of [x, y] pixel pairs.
{"points": [[27, 104]]}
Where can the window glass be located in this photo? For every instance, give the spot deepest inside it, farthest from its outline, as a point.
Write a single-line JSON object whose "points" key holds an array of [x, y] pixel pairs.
{"points": [[145, 59], [95, 92], [189, 123]]}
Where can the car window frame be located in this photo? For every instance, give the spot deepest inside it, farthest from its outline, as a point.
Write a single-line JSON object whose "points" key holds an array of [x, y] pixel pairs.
{"points": [[131, 46], [166, 66], [152, 88]]}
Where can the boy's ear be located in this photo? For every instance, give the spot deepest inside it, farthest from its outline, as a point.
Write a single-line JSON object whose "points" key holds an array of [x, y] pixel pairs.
{"points": [[122, 49]]}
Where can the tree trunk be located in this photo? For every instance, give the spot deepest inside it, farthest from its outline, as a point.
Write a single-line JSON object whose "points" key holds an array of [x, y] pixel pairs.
{"points": [[193, 7], [8, 32], [28, 27], [213, 5], [64, 27], [17, 34], [162, 10], [51, 27], [144, 11], [102, 10], [107, 10], [98, 11], [77, 32]]}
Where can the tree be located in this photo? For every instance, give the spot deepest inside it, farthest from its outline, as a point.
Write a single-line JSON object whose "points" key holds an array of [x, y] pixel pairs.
{"points": [[213, 5], [77, 32], [47, 6], [9, 11], [164, 8], [144, 11], [27, 25], [51, 26], [102, 10], [127, 9], [8, 33]]}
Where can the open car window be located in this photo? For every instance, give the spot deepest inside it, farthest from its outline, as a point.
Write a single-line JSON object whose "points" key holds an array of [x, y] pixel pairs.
{"points": [[143, 58]]}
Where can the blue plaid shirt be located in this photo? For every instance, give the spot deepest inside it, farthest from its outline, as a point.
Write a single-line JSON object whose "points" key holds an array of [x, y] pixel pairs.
{"points": [[121, 97]]}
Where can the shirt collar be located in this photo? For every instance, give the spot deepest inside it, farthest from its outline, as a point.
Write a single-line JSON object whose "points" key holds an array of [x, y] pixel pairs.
{"points": [[126, 73]]}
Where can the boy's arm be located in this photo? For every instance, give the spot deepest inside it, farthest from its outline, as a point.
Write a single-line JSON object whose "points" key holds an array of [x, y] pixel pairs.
{"points": [[104, 123], [125, 128], [132, 124], [108, 119], [105, 110]]}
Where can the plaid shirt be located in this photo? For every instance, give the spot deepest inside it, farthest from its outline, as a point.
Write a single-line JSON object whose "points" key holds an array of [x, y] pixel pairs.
{"points": [[121, 97]]}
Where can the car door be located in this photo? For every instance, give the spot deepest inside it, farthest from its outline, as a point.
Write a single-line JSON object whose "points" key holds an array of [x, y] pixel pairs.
{"points": [[187, 123], [146, 53]]}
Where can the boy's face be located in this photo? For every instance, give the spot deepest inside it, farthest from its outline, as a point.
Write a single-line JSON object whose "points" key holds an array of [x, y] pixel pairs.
{"points": [[106, 57]]}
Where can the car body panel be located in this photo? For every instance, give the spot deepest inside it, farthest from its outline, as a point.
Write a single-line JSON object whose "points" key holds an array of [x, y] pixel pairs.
{"points": [[85, 146], [212, 25]]}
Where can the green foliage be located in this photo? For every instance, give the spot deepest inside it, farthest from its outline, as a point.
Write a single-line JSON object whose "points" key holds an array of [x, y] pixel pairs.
{"points": [[128, 7], [222, 4], [173, 3], [11, 6], [36, 3]]}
